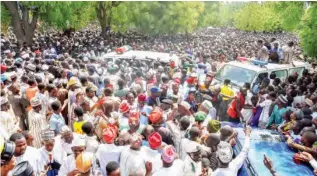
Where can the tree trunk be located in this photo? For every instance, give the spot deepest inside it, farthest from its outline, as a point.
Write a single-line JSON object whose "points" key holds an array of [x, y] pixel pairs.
{"points": [[23, 27], [104, 15]]}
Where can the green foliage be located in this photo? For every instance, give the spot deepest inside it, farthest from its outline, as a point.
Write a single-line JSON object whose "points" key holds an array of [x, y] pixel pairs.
{"points": [[164, 17], [120, 19], [257, 17], [59, 14], [290, 14], [219, 14], [5, 19], [308, 31], [65, 14]]}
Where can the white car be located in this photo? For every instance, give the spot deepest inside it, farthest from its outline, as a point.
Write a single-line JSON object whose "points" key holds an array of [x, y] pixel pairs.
{"points": [[142, 55], [242, 72]]}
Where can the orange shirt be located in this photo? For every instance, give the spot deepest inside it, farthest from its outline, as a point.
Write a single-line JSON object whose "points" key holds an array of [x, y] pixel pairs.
{"points": [[30, 93]]}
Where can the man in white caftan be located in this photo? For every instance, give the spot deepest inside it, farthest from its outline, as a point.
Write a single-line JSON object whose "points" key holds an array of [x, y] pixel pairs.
{"points": [[48, 157], [69, 164], [63, 144], [171, 165], [7, 121], [37, 121], [152, 153], [26, 153], [132, 159], [192, 162], [108, 151]]}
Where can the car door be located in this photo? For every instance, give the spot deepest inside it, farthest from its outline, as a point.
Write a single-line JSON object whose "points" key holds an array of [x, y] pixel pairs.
{"points": [[258, 81], [282, 74], [298, 70]]}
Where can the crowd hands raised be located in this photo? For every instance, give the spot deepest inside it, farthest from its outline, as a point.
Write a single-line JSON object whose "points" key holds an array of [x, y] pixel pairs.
{"points": [[68, 117]]}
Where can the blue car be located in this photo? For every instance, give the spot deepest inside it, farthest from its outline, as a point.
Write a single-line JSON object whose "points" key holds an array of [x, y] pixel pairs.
{"points": [[273, 145]]}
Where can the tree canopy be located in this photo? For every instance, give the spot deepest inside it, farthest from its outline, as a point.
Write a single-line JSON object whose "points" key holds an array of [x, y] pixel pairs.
{"points": [[156, 18]]}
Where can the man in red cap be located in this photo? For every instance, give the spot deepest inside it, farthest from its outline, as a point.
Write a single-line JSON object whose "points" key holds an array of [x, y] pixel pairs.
{"points": [[134, 123], [144, 109], [124, 109], [156, 119], [108, 151], [153, 151]]}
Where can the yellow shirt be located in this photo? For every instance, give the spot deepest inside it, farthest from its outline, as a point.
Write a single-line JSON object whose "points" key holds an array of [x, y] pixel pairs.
{"points": [[203, 87], [226, 90], [78, 127]]}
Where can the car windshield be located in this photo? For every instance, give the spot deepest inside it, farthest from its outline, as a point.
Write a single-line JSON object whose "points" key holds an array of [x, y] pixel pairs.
{"points": [[237, 75]]}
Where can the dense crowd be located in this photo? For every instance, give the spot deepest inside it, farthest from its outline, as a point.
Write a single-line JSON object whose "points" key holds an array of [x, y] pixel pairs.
{"points": [[71, 113]]}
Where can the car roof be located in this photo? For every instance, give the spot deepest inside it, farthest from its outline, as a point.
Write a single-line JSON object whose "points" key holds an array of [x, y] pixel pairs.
{"points": [[269, 66], [164, 57]]}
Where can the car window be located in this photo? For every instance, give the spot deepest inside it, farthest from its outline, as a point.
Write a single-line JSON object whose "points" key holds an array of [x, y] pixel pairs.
{"points": [[282, 74], [298, 70], [237, 75], [259, 78]]}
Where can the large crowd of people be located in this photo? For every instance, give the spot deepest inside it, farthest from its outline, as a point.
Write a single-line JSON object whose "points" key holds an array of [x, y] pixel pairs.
{"points": [[69, 112]]}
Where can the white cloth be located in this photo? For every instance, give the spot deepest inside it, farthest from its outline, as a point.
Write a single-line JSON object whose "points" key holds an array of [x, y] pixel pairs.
{"points": [[92, 101], [62, 149], [313, 163], [132, 161], [287, 54], [264, 117], [154, 157], [108, 152], [44, 157], [236, 163], [192, 168], [247, 113], [69, 164], [32, 155], [263, 54], [184, 144], [298, 100], [7, 123], [91, 144], [177, 169]]}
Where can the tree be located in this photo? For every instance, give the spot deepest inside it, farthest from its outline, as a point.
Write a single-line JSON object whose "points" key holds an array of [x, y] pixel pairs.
{"points": [[104, 11], [23, 20], [165, 17], [257, 17], [25, 16], [307, 32], [289, 13], [5, 19]]}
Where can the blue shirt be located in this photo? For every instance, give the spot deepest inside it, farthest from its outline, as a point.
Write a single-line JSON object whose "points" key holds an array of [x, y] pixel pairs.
{"points": [[150, 101], [57, 122], [276, 116]]}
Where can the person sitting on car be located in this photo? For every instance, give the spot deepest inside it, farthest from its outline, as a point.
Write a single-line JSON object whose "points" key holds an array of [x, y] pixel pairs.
{"points": [[227, 166]]}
